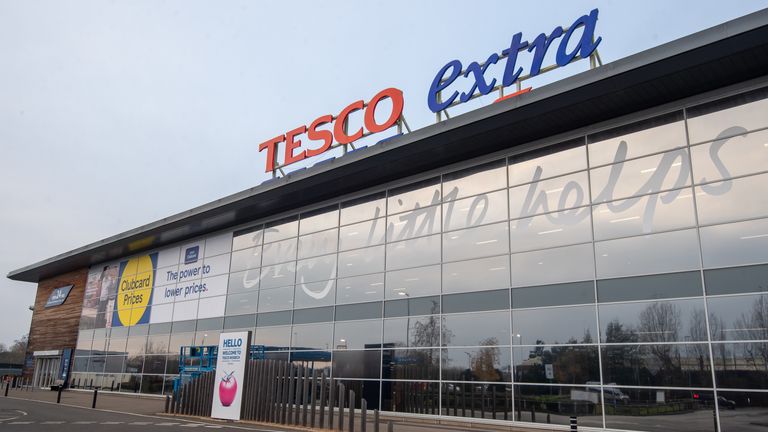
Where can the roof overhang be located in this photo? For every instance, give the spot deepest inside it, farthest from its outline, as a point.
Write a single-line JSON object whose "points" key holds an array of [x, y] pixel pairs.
{"points": [[730, 53]]}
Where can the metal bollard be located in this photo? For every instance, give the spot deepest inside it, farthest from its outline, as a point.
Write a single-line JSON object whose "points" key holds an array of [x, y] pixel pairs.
{"points": [[167, 403], [390, 426], [7, 386], [58, 395], [95, 393], [375, 420], [574, 425], [363, 415]]}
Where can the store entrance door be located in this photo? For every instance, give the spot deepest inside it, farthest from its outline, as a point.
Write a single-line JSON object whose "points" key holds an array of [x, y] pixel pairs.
{"points": [[46, 371]]}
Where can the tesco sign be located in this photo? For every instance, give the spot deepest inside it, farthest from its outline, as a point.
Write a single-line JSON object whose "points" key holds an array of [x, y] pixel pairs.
{"points": [[453, 84], [336, 130]]}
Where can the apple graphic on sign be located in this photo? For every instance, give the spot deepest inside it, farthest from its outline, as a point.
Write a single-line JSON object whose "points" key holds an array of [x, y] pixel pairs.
{"points": [[227, 389]]}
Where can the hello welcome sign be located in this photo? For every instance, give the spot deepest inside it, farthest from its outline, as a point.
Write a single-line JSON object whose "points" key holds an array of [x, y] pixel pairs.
{"points": [[230, 372]]}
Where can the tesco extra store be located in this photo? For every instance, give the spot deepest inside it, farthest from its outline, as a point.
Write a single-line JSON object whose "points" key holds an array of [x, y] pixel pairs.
{"points": [[595, 247]]}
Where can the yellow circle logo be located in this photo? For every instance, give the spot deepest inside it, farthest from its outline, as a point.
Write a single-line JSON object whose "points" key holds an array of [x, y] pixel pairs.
{"points": [[135, 290]]}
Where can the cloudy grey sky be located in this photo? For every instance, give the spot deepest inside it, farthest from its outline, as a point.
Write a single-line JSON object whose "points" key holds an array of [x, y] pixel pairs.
{"points": [[114, 114]]}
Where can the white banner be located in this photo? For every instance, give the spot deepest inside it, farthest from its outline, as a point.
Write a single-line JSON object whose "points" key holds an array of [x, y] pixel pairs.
{"points": [[230, 372]]}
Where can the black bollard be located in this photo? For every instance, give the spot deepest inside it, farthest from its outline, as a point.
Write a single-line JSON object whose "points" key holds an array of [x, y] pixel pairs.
{"points": [[167, 403], [574, 425], [58, 395], [95, 393], [7, 386]]}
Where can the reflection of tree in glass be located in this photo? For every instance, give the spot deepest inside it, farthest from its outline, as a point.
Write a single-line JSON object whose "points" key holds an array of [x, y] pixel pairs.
{"points": [[660, 322], [698, 332], [426, 331], [754, 326], [483, 363]]}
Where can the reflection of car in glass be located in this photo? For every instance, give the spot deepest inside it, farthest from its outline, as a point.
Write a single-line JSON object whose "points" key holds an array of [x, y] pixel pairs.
{"points": [[612, 395], [726, 403]]}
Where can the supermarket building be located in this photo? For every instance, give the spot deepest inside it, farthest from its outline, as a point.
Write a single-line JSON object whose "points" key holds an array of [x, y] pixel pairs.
{"points": [[597, 246]]}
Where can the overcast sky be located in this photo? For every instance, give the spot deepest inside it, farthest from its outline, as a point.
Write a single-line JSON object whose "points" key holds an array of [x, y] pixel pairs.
{"points": [[114, 114]]}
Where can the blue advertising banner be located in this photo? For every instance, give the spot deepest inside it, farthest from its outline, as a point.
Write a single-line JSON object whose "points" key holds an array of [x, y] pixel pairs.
{"points": [[58, 296]]}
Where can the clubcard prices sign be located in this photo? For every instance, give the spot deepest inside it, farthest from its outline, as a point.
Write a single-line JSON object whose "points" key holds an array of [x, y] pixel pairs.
{"points": [[230, 370]]}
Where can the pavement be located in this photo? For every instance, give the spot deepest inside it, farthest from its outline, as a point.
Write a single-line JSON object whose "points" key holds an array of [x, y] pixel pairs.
{"points": [[27, 410]]}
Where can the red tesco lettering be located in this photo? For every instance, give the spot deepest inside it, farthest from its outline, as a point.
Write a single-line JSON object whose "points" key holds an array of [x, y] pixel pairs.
{"points": [[293, 148]]}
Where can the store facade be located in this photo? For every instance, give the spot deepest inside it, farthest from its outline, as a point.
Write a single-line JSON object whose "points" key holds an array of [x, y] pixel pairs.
{"points": [[615, 269]]}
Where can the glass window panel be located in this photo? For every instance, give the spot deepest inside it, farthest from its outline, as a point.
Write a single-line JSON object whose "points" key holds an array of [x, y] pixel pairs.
{"points": [[736, 280], [655, 253], [179, 340], [319, 220], [238, 304], [639, 139], [184, 326], [670, 285], [412, 306], [247, 238], [413, 253], [358, 311], [114, 364], [643, 176], [479, 210], [319, 243], [411, 197], [526, 169], [155, 364], [273, 338], [475, 180], [276, 299], [243, 281], [476, 329], [413, 282], [312, 315], [157, 328], [136, 345], [273, 318], [568, 364], [735, 244], [654, 322], [729, 157], [564, 264], [361, 261], [476, 275], [739, 317], [278, 275], [279, 252], [245, 259], [423, 364], [240, 322], [557, 194], [421, 331], [489, 364], [281, 230], [416, 223], [742, 198], [317, 336], [741, 365], [361, 209], [361, 289], [552, 229], [555, 404], [684, 410], [562, 325], [554, 295], [668, 365], [362, 234], [357, 364], [749, 404], [480, 301], [316, 269], [315, 294], [644, 215], [477, 242], [401, 396], [708, 121], [357, 334]]}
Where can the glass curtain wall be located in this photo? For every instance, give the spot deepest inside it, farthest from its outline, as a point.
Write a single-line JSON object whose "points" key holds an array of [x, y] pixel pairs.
{"points": [[621, 277]]}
